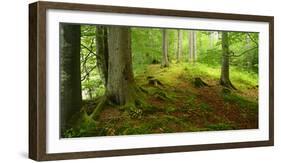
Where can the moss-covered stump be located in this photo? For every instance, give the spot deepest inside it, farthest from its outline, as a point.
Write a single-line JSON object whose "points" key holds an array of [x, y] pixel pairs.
{"points": [[199, 83]]}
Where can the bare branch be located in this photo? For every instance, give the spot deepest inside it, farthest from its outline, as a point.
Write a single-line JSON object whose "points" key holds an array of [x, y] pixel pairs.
{"points": [[88, 73], [246, 51], [90, 50]]}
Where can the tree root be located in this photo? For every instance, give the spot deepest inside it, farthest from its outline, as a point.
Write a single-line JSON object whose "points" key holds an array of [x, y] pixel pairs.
{"points": [[98, 108], [134, 106], [228, 85], [133, 110], [161, 95]]}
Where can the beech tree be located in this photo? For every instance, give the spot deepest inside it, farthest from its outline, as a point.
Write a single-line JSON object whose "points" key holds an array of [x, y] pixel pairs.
{"points": [[224, 79], [70, 92], [192, 46], [120, 88], [179, 47], [102, 52], [165, 61]]}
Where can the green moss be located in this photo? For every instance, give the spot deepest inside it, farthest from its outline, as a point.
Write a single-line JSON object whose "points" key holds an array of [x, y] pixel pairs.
{"points": [[189, 104], [241, 101]]}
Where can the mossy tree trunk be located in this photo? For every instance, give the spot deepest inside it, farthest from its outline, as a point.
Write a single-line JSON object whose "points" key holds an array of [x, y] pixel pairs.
{"points": [[121, 88], [224, 79], [120, 85], [70, 83], [165, 61], [102, 52]]}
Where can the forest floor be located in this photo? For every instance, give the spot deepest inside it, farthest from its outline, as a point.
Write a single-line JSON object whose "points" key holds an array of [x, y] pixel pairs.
{"points": [[177, 105]]}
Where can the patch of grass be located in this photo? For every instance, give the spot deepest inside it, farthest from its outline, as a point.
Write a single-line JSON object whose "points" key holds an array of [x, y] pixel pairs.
{"points": [[201, 70], [240, 78], [241, 101], [243, 79]]}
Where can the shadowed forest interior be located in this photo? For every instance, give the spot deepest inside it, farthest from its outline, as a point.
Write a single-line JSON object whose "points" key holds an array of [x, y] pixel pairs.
{"points": [[117, 80]]}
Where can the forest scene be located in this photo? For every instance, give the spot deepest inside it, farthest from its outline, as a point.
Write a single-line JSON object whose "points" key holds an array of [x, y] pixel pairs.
{"points": [[119, 80]]}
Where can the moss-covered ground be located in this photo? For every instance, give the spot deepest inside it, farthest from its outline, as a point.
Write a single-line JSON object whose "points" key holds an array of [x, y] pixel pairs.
{"points": [[176, 105]]}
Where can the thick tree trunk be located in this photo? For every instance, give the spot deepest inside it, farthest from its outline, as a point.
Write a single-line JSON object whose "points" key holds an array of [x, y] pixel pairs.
{"points": [[121, 88], [120, 85], [165, 61], [70, 81], [224, 79], [102, 52], [192, 46], [179, 52]]}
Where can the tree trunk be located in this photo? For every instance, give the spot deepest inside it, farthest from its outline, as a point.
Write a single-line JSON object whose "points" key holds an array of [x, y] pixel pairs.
{"points": [[120, 85], [70, 82], [165, 62], [102, 52], [212, 38], [249, 54], [121, 88], [224, 79], [179, 53], [192, 46]]}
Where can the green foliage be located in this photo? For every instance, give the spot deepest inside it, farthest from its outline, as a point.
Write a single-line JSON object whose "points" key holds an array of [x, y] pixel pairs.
{"points": [[211, 57], [92, 84], [85, 129], [146, 45]]}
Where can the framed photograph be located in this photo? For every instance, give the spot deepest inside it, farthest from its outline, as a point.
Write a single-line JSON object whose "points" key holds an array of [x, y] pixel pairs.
{"points": [[111, 81]]}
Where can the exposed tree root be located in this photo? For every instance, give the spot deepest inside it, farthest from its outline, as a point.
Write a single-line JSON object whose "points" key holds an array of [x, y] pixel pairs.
{"points": [[161, 95], [135, 104], [199, 83], [143, 90], [98, 108], [228, 85], [226, 90]]}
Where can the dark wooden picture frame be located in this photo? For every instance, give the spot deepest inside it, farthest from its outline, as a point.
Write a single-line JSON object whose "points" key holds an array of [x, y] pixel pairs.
{"points": [[37, 79]]}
